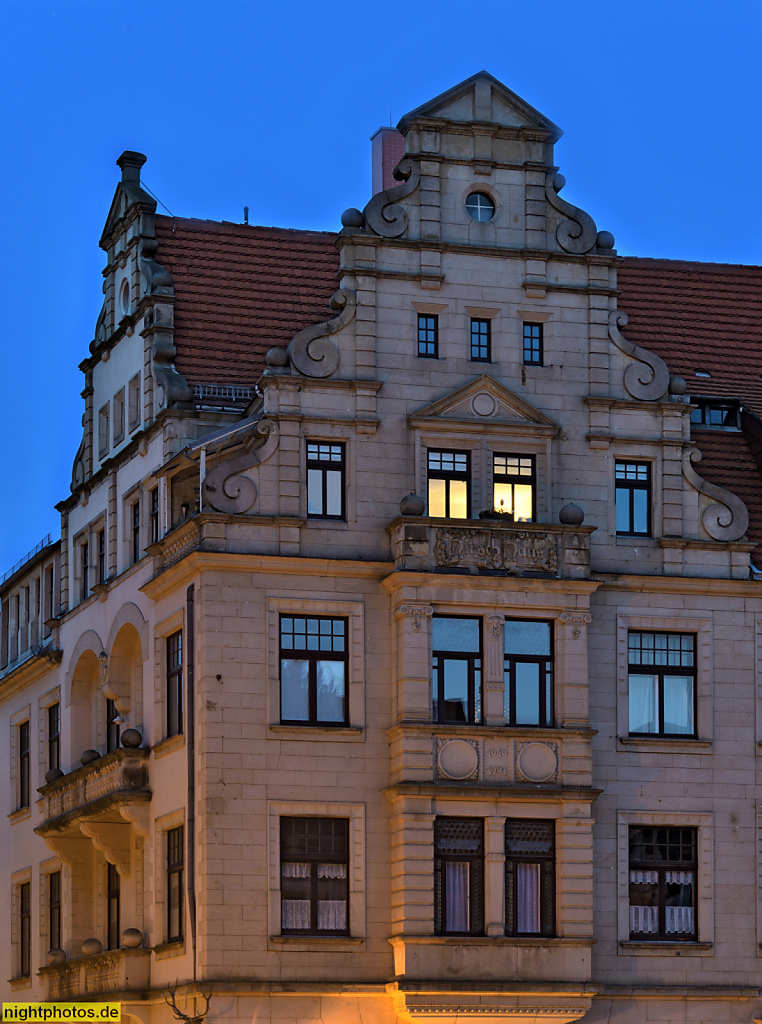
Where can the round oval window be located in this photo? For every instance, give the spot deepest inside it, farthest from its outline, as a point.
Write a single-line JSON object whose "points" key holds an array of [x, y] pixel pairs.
{"points": [[480, 206], [124, 296]]}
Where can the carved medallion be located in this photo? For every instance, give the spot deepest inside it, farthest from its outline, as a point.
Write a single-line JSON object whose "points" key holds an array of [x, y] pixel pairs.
{"points": [[457, 759], [537, 762]]}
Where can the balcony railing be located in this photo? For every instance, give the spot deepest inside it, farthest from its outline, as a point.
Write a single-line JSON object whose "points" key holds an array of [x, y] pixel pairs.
{"points": [[118, 970], [491, 547], [123, 772]]}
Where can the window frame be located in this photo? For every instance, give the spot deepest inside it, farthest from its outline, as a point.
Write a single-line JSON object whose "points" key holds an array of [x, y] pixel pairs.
{"points": [[475, 661], [24, 897], [425, 341], [113, 732], [660, 671], [476, 879], [154, 515], [102, 562], [629, 487], [448, 475], [24, 744], [84, 556], [533, 354], [312, 656], [317, 858], [174, 689], [516, 478], [483, 327], [175, 866], [547, 893], [547, 714], [53, 719], [113, 906], [324, 466], [54, 909], [135, 547], [661, 868]]}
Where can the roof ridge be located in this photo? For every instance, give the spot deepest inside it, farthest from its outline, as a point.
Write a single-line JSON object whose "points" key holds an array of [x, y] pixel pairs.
{"points": [[689, 263], [200, 223]]}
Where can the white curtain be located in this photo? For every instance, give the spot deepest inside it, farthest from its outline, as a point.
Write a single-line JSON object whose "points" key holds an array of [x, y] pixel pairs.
{"points": [[332, 871], [679, 920], [644, 877], [678, 704], [295, 914], [679, 877], [527, 898], [332, 915], [644, 920], [644, 716], [291, 870], [456, 896]]}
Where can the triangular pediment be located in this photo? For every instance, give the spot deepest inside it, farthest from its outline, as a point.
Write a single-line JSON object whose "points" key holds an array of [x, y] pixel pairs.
{"points": [[484, 401], [126, 196], [482, 98]]}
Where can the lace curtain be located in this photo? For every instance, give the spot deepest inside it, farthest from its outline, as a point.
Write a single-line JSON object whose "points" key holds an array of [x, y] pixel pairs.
{"points": [[456, 896], [527, 898]]}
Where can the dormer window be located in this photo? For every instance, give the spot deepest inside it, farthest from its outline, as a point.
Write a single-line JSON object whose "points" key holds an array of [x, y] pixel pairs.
{"points": [[717, 415], [480, 206]]}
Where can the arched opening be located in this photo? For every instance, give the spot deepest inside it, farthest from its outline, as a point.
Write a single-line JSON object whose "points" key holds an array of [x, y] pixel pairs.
{"points": [[85, 692]]}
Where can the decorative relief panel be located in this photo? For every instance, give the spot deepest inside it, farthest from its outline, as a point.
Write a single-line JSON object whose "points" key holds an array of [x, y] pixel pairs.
{"points": [[536, 762], [488, 549], [458, 759], [500, 761]]}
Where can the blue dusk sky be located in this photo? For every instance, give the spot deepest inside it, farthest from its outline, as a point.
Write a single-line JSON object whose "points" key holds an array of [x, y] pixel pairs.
{"points": [[271, 105]]}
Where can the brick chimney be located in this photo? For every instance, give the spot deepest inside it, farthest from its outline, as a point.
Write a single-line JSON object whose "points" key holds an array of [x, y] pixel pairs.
{"points": [[388, 149]]}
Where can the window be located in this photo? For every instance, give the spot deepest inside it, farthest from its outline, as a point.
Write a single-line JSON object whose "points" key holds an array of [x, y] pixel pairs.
{"points": [[25, 929], [530, 868], [480, 206], [133, 402], [428, 336], [313, 670], [113, 721], [118, 418], [662, 683], [135, 531], [481, 341], [175, 684], [662, 866], [101, 556], [458, 876], [175, 883], [533, 344], [103, 439], [528, 673], [456, 669], [716, 414], [513, 486], [325, 480], [84, 555], [54, 910], [449, 477], [314, 870], [633, 499], [154, 515], [112, 907], [24, 765], [54, 737]]}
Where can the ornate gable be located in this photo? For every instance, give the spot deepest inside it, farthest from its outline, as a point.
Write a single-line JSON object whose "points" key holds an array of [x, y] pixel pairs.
{"points": [[484, 402]]}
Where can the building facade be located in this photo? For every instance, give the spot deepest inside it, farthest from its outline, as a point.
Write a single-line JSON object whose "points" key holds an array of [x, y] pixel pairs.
{"points": [[397, 663]]}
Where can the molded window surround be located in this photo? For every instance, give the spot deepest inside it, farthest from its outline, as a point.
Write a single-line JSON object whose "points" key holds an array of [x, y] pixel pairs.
{"points": [[164, 825], [704, 887], [353, 612], [631, 619], [357, 882], [163, 744], [18, 812], [19, 979]]}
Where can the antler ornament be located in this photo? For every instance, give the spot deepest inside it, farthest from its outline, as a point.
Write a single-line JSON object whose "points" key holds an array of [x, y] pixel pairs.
{"points": [[179, 1015]]}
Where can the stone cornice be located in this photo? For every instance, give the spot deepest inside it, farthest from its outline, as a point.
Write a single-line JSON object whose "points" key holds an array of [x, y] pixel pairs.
{"points": [[699, 585], [530, 792]]}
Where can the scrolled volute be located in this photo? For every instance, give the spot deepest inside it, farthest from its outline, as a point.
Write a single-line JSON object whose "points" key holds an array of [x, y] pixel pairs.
{"points": [[578, 234], [311, 351], [382, 215], [728, 520], [648, 379], [225, 487]]}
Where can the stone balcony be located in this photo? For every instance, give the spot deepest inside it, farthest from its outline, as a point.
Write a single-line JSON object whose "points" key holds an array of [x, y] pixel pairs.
{"points": [[118, 970], [491, 547]]}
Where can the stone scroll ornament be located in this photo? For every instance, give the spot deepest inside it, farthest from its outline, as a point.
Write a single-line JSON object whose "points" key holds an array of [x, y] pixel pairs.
{"points": [[648, 379], [727, 520], [225, 487], [578, 233], [382, 215], [311, 351]]}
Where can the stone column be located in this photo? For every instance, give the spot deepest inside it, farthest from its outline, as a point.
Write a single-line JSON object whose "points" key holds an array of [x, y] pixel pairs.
{"points": [[494, 674], [494, 872], [414, 661]]}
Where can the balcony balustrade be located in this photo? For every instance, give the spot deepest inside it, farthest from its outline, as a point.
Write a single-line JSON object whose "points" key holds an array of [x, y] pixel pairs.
{"points": [[118, 970]]}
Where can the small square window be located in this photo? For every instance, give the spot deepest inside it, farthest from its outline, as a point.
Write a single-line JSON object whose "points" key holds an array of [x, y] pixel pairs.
{"points": [[633, 499], [481, 341], [325, 480], [533, 344], [428, 336]]}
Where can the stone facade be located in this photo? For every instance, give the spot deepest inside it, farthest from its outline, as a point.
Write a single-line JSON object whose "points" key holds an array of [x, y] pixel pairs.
{"points": [[197, 533]]}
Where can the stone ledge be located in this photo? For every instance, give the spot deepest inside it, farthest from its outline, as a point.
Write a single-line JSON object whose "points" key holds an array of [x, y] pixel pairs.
{"points": [[168, 744], [631, 948]]}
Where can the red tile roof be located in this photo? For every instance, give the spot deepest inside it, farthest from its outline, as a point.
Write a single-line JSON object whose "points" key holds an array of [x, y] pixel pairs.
{"points": [[698, 316], [239, 290]]}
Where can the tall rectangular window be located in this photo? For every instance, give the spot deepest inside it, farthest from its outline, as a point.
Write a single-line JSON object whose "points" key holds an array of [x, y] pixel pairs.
{"points": [[428, 336], [135, 530], [662, 883], [103, 438], [84, 554], [481, 341], [533, 345], [101, 556], [514, 486], [458, 876], [456, 669], [25, 929], [118, 419], [23, 736], [314, 869], [313, 670], [449, 483], [54, 736], [113, 886], [528, 673], [112, 726], [175, 684], [154, 515], [54, 910], [633, 499], [530, 869], [175, 883], [662, 683], [325, 480], [133, 402]]}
